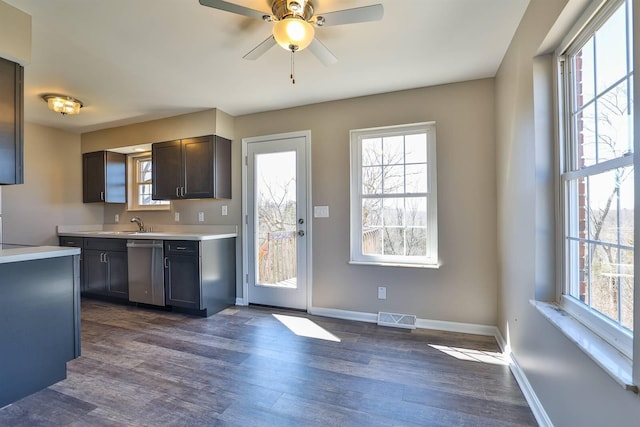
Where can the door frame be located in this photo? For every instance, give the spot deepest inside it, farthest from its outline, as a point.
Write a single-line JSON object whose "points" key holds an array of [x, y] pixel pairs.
{"points": [[306, 134]]}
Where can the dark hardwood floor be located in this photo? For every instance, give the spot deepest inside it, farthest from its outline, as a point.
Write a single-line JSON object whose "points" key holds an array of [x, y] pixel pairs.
{"points": [[243, 367]]}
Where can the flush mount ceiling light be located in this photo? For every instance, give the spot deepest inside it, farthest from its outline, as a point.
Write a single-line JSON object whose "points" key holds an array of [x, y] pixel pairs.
{"points": [[62, 104]]}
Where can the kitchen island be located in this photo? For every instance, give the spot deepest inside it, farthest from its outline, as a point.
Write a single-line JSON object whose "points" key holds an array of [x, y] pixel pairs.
{"points": [[39, 317]]}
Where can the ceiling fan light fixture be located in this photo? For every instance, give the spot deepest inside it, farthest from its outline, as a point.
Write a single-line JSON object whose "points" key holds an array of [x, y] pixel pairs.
{"points": [[293, 34], [62, 104]]}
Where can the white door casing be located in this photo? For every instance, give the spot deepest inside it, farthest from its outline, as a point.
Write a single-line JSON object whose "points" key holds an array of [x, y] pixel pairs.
{"points": [[275, 167]]}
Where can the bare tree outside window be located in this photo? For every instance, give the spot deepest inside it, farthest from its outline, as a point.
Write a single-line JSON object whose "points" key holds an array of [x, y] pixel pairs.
{"points": [[600, 236], [394, 207]]}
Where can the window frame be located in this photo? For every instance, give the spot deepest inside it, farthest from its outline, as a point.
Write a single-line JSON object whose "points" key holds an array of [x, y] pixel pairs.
{"points": [[593, 18], [356, 253], [133, 184]]}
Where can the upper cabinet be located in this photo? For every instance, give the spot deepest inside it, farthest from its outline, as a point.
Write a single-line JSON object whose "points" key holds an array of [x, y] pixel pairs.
{"points": [[11, 122], [192, 168], [104, 177]]}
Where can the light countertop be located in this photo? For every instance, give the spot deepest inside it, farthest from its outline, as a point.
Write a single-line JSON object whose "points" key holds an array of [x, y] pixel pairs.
{"points": [[176, 233], [30, 253]]}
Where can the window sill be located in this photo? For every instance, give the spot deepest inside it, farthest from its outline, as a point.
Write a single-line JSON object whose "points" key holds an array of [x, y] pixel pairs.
{"points": [[395, 264], [617, 365]]}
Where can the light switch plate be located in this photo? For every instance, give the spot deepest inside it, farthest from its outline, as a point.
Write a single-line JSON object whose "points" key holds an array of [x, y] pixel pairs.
{"points": [[225, 211], [321, 211], [117, 218], [201, 216], [177, 217]]}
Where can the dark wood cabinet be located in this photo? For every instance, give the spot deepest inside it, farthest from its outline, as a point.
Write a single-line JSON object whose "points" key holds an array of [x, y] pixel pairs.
{"points": [[11, 122], [182, 274], [75, 242], [199, 276], [192, 168], [104, 177], [105, 268]]}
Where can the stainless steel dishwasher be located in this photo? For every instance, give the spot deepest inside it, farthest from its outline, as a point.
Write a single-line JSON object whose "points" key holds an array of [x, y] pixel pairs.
{"points": [[146, 271]]}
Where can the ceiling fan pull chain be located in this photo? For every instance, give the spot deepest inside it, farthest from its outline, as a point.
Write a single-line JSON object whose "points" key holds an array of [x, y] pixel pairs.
{"points": [[292, 76]]}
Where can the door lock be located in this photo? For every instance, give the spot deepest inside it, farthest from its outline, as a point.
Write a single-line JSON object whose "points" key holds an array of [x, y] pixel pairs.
{"points": [[301, 221], [300, 233]]}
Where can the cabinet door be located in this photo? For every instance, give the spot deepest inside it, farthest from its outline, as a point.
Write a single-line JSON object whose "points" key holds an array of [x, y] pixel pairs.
{"points": [[95, 272], [93, 177], [197, 157], [118, 277], [11, 122], [76, 242], [222, 168], [115, 187], [182, 281], [166, 162]]}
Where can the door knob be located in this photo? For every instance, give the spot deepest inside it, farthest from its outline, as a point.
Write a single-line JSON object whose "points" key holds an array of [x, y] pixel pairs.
{"points": [[300, 233]]}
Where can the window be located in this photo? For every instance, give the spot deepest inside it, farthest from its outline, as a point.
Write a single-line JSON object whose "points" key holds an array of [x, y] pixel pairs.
{"points": [[393, 196], [597, 175], [140, 188]]}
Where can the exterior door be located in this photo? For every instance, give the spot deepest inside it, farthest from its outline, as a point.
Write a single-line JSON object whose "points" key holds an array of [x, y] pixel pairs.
{"points": [[277, 222]]}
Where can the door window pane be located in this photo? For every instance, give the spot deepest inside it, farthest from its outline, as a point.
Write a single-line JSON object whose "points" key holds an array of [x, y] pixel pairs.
{"points": [[276, 226]]}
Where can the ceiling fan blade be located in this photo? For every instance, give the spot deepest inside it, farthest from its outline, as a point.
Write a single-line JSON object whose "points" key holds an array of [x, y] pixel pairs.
{"points": [[322, 53], [374, 12], [261, 49], [234, 8]]}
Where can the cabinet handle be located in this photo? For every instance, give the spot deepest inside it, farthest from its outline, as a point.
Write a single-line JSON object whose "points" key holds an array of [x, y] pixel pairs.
{"points": [[166, 262], [101, 256], [181, 248], [177, 191], [102, 195], [182, 192]]}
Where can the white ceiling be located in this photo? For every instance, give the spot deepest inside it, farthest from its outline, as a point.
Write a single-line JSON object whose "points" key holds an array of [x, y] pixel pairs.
{"points": [[137, 60]]}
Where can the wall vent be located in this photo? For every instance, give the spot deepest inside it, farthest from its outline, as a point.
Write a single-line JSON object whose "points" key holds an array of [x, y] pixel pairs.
{"points": [[406, 321]]}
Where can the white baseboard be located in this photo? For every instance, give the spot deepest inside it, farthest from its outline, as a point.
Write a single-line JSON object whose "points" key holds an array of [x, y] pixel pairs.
{"points": [[529, 394], [241, 301], [467, 328], [344, 314]]}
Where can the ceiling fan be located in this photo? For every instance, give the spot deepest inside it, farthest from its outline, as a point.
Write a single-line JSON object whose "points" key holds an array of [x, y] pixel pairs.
{"points": [[294, 22]]}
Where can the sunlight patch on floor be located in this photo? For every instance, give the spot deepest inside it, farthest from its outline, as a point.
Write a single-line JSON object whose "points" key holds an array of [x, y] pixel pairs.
{"points": [[306, 328], [472, 355]]}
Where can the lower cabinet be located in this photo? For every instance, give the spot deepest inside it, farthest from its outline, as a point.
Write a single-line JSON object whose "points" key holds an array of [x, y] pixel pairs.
{"points": [[182, 274], [105, 268], [200, 276], [76, 242]]}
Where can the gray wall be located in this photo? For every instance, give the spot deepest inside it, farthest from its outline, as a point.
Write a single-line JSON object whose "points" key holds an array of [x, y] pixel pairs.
{"points": [[464, 288], [572, 388], [52, 189]]}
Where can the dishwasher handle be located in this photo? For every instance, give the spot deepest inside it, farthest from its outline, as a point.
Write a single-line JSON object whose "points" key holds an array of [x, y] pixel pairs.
{"points": [[144, 244]]}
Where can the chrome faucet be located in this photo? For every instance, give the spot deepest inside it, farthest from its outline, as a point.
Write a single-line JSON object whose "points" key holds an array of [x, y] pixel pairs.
{"points": [[138, 221]]}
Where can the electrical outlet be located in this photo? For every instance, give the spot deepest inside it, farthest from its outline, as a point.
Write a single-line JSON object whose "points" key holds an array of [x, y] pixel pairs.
{"points": [[117, 218], [177, 216], [382, 292], [225, 212], [201, 216]]}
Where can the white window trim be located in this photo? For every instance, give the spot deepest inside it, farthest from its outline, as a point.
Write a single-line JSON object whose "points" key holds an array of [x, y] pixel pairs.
{"points": [[611, 347], [357, 257], [132, 188]]}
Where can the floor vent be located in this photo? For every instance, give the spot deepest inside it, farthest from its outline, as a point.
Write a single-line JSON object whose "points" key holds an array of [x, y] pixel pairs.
{"points": [[407, 321]]}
